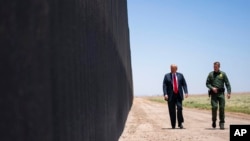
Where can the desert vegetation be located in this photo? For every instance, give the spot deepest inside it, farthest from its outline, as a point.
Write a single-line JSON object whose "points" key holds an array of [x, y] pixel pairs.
{"points": [[239, 102]]}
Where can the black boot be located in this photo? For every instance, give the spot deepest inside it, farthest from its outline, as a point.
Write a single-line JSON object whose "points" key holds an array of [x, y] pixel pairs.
{"points": [[222, 126]]}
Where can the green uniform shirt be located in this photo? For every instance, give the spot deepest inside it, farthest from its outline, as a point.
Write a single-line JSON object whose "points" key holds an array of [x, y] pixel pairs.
{"points": [[218, 80]]}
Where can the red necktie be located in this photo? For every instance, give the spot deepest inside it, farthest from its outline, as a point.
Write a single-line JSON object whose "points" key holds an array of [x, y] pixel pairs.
{"points": [[175, 84]]}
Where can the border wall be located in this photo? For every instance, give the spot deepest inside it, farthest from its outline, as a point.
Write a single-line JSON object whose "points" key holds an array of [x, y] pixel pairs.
{"points": [[65, 70]]}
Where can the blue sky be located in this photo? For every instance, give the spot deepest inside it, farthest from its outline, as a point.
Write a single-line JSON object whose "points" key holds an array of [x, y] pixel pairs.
{"points": [[192, 34]]}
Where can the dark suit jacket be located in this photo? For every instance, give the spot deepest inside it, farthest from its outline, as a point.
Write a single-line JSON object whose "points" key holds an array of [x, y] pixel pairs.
{"points": [[168, 85]]}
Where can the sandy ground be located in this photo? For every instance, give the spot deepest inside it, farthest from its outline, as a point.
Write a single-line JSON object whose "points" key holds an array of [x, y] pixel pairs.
{"points": [[149, 121]]}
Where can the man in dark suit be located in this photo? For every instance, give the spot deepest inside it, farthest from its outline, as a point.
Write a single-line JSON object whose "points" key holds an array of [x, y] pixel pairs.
{"points": [[174, 84]]}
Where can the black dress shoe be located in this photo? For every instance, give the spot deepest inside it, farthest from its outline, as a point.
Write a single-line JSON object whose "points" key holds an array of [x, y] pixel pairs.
{"points": [[173, 127], [214, 124], [181, 126]]}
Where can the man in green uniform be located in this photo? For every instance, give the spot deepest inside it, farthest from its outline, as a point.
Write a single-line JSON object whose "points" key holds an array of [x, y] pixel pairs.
{"points": [[215, 83]]}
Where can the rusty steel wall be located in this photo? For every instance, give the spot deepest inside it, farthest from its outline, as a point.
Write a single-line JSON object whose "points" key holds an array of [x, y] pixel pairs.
{"points": [[65, 70]]}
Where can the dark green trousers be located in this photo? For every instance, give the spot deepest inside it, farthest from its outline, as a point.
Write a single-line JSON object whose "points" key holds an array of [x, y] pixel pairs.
{"points": [[218, 101]]}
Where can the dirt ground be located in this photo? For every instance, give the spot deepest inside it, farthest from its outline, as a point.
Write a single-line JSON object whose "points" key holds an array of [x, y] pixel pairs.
{"points": [[149, 121]]}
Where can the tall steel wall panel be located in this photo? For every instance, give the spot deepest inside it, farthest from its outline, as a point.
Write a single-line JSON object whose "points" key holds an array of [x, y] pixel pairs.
{"points": [[65, 70]]}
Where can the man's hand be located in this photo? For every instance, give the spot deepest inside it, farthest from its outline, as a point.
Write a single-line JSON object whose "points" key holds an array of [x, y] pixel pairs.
{"points": [[186, 95], [228, 96], [215, 90], [166, 97]]}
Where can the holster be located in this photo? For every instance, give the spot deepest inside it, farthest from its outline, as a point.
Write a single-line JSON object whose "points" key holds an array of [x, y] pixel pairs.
{"points": [[210, 92]]}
